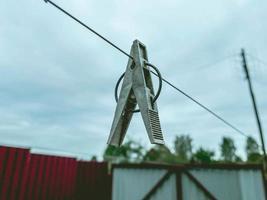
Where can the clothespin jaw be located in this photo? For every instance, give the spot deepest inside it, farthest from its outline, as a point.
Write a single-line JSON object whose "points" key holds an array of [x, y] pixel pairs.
{"points": [[137, 88]]}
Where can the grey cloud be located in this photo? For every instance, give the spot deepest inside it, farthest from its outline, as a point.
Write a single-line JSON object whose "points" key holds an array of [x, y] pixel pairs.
{"points": [[57, 82]]}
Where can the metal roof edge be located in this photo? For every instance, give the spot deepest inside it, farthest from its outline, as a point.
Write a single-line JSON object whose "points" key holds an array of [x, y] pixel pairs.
{"points": [[227, 166]]}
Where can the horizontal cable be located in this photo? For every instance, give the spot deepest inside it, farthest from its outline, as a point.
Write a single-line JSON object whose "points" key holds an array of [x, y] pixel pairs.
{"points": [[215, 62], [90, 29], [170, 84], [258, 59], [204, 107]]}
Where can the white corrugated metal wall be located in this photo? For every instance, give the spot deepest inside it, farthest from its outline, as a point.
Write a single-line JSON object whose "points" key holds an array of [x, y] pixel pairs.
{"points": [[251, 180], [191, 191], [167, 191], [232, 184], [225, 184], [133, 184]]}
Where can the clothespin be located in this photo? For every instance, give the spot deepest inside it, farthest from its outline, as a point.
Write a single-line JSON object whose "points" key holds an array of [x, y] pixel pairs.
{"points": [[137, 89]]}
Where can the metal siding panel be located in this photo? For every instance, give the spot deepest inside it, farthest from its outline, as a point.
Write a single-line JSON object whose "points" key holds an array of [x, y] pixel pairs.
{"points": [[92, 180], [49, 180], [223, 184], [59, 178], [64, 178], [53, 187], [80, 176], [167, 191], [24, 178], [31, 178], [39, 174], [73, 179], [133, 184], [47, 165], [231, 184], [74, 175], [3, 158], [8, 174], [41, 178], [191, 191], [68, 183], [19, 166], [71, 182], [251, 183]]}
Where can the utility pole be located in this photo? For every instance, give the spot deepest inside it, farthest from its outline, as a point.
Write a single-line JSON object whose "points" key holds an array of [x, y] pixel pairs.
{"points": [[243, 55]]}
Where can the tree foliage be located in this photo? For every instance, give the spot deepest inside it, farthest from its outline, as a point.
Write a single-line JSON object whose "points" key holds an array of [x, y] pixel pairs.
{"points": [[132, 151], [228, 149], [160, 154], [203, 156], [252, 150], [183, 147]]}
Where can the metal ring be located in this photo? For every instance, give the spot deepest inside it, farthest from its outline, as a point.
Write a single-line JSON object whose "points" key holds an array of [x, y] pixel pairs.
{"points": [[160, 81], [117, 87], [116, 91], [157, 94]]}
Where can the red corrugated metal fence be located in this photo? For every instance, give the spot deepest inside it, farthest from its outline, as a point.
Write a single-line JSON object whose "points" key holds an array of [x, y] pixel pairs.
{"points": [[93, 181], [26, 176]]}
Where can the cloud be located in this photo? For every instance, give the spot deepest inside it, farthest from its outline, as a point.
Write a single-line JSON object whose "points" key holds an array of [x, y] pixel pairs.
{"points": [[57, 80]]}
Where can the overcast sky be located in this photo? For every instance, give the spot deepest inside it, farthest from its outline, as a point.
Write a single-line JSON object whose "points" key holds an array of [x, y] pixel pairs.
{"points": [[57, 79]]}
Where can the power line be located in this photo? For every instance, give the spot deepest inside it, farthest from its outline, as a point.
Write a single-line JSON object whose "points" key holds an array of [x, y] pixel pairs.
{"points": [[90, 29], [128, 55], [217, 61], [258, 59], [204, 107]]}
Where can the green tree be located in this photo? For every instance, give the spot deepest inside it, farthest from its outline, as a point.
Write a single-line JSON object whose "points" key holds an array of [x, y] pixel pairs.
{"points": [[238, 159], [228, 149], [131, 151], [159, 154], [94, 158], [252, 150], [203, 156], [183, 147]]}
